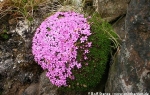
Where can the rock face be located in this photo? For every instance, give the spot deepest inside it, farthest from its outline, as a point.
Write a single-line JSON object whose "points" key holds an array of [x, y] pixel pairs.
{"points": [[111, 9], [16, 61], [131, 70], [43, 87], [19, 74], [119, 27]]}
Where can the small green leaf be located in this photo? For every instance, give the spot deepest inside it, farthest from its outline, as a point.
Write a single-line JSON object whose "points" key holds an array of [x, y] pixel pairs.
{"points": [[5, 36], [30, 18], [48, 29], [25, 1], [4, 31]]}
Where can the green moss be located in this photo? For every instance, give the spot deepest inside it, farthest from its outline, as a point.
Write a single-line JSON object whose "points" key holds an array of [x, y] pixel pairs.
{"points": [[4, 35], [103, 38]]}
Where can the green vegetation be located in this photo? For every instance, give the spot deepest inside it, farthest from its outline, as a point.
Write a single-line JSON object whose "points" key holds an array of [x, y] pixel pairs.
{"points": [[103, 39], [20, 8], [4, 35]]}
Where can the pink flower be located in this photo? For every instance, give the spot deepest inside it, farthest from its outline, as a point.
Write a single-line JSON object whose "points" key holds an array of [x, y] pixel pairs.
{"points": [[54, 45], [79, 65], [72, 77], [86, 51], [85, 58], [89, 44], [83, 39]]}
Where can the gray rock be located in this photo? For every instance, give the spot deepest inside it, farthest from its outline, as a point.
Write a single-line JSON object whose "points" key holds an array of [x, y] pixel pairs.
{"points": [[31, 90], [45, 87], [111, 9], [131, 69], [119, 27]]}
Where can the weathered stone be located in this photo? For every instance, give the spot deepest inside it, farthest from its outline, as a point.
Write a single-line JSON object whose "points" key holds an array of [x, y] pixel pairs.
{"points": [[16, 60], [119, 27], [70, 8], [111, 9], [15, 64], [31, 90], [45, 87], [131, 69]]}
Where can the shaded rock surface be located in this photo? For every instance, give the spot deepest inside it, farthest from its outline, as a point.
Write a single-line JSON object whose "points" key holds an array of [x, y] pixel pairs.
{"points": [[131, 69], [111, 9], [43, 87], [119, 27]]}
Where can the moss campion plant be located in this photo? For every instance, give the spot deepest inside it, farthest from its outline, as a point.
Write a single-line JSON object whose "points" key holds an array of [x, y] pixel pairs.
{"points": [[72, 51], [55, 45]]}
